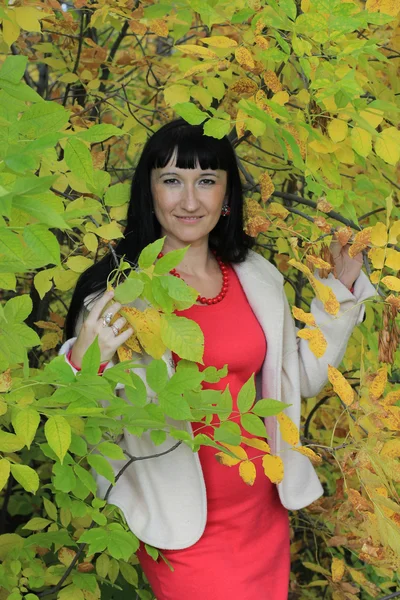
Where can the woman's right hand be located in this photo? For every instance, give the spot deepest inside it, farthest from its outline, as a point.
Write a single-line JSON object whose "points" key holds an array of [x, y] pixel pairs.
{"points": [[93, 326]]}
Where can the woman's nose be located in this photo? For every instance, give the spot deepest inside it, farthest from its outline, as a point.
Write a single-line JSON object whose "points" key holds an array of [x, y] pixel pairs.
{"points": [[190, 200]]}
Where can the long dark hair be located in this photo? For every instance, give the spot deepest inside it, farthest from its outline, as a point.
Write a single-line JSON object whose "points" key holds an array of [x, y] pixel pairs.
{"points": [[227, 238]]}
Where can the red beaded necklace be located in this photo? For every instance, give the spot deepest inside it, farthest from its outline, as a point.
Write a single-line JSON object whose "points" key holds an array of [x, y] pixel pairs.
{"points": [[225, 282]]}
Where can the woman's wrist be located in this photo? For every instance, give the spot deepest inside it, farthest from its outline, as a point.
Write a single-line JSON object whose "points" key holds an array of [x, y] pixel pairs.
{"points": [[78, 368]]}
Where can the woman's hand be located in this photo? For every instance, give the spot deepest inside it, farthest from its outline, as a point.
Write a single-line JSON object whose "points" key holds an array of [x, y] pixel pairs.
{"points": [[93, 326], [347, 268]]}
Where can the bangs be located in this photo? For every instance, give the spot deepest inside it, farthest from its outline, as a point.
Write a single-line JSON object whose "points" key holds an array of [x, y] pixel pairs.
{"points": [[189, 147]]}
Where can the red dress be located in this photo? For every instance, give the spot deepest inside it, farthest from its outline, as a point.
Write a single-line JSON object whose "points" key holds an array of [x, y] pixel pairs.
{"points": [[243, 553]]}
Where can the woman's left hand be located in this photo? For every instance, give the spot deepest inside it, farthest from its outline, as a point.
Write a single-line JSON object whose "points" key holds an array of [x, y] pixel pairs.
{"points": [[347, 268]]}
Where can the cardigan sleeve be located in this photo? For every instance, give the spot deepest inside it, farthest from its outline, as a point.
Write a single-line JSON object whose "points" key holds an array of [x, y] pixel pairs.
{"points": [[336, 329]]}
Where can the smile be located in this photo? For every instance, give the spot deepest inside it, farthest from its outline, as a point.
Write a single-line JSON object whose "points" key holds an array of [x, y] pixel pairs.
{"points": [[189, 219]]}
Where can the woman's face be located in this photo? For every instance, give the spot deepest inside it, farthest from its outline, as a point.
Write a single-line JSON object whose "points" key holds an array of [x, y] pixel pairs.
{"points": [[187, 202]]}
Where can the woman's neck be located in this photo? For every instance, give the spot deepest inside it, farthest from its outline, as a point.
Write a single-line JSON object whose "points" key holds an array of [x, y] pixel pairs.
{"points": [[198, 259]]}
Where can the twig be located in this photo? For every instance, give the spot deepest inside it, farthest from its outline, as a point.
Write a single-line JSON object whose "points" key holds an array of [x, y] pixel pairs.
{"points": [[78, 55], [81, 547]]}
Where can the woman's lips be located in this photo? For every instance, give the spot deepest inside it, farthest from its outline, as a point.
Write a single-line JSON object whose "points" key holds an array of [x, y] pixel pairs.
{"points": [[189, 219]]}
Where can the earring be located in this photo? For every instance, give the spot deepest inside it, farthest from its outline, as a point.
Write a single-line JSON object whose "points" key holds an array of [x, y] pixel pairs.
{"points": [[226, 210]]}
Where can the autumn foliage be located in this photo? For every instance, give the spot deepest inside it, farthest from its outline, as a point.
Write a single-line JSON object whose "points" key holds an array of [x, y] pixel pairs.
{"points": [[307, 92]]}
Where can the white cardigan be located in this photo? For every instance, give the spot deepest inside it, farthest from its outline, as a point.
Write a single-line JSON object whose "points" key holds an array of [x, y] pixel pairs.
{"points": [[164, 499]]}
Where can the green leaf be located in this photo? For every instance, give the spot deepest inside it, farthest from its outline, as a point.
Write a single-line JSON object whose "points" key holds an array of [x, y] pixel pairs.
{"points": [[102, 564], [183, 336], [11, 246], [13, 68], [129, 573], [41, 211], [184, 295], [91, 358], [41, 118], [217, 128], [289, 8], [50, 509], [101, 466], [247, 395], [36, 524], [174, 405], [117, 194], [20, 91], [157, 375], [215, 86], [136, 392], [268, 407], [99, 133], [25, 423], [18, 309], [43, 244], [84, 581], [10, 442], [156, 11], [64, 478], [97, 538], [26, 476], [129, 290], [149, 254], [159, 437], [253, 425], [111, 450], [170, 261], [228, 432], [190, 113], [79, 160], [25, 335], [86, 478], [122, 544], [242, 15], [58, 434]]}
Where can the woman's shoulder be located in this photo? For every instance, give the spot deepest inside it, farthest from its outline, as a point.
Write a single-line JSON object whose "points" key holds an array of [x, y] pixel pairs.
{"points": [[255, 261]]}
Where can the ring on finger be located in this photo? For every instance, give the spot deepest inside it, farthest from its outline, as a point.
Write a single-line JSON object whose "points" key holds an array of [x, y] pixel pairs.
{"points": [[107, 319], [115, 329]]}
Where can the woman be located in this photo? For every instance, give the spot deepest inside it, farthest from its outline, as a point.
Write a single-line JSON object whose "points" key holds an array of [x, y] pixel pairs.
{"points": [[225, 540]]}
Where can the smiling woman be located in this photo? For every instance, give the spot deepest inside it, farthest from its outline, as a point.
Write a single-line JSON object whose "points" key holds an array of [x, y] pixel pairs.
{"points": [[223, 538]]}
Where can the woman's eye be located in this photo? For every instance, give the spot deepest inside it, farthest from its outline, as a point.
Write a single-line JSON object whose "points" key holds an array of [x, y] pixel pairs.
{"points": [[172, 179], [208, 181]]}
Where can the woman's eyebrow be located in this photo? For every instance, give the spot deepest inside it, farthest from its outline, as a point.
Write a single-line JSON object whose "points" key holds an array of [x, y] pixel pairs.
{"points": [[201, 174]]}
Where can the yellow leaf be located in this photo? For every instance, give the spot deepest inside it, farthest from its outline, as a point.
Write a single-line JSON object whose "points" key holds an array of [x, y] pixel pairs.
{"points": [[314, 458], [394, 232], [200, 68], [219, 41], [345, 154], [337, 569], [373, 116], [227, 460], [326, 295], [273, 468], [160, 27], [111, 231], [261, 42], [244, 86], [378, 385], [280, 98], [361, 240], [387, 145], [393, 283], [244, 58], [247, 472], [256, 443], [266, 188], [361, 141], [4, 472], [124, 353], [323, 146], [49, 341], [78, 264], [28, 18], [379, 234], [5, 381], [375, 277], [237, 450], [288, 429], [240, 123], [377, 257], [337, 130], [194, 50], [147, 326], [274, 209], [393, 259], [300, 315], [318, 262], [391, 448], [340, 385], [176, 93], [90, 241], [272, 81], [10, 28]]}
